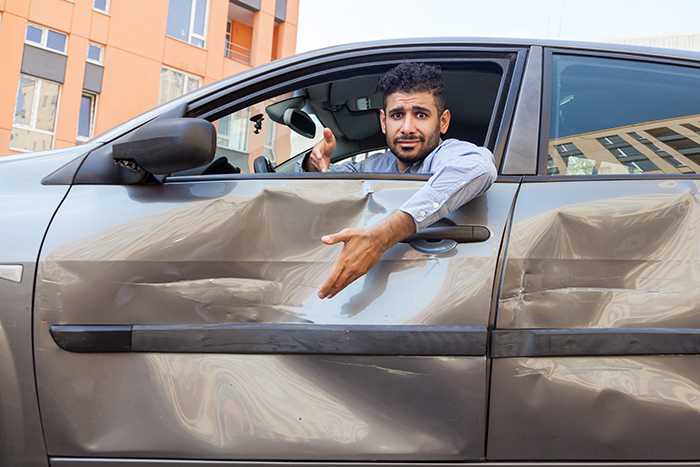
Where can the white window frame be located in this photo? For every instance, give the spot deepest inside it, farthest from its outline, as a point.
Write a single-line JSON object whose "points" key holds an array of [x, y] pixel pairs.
{"points": [[93, 111], [105, 11], [188, 77], [45, 37], [190, 33], [193, 3], [35, 113], [102, 53]]}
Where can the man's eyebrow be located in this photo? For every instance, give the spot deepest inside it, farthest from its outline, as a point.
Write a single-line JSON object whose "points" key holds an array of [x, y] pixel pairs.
{"points": [[417, 108]]}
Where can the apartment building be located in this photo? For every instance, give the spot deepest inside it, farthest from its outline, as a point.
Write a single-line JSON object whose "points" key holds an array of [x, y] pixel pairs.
{"points": [[72, 69]]}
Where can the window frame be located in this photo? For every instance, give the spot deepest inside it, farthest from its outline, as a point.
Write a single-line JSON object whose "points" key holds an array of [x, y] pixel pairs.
{"points": [[188, 77], [102, 53], [91, 123], [34, 112], [190, 32], [44, 38], [105, 11], [545, 117]]}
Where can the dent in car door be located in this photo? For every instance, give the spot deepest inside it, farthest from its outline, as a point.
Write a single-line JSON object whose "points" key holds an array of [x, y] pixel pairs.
{"points": [[232, 355]]}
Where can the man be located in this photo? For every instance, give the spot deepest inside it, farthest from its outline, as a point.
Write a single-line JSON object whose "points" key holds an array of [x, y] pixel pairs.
{"points": [[413, 118]]}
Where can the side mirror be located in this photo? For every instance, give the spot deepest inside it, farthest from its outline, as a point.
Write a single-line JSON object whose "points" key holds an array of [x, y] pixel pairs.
{"points": [[169, 145], [300, 122]]}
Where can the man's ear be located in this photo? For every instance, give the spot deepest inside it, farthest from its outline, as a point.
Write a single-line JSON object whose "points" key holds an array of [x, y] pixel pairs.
{"points": [[444, 121], [382, 120]]}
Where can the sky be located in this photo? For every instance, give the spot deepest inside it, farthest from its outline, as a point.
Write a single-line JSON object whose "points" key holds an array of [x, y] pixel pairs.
{"points": [[324, 23]]}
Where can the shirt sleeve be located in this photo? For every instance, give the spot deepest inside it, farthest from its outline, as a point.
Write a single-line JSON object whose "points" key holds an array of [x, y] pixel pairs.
{"points": [[461, 171]]}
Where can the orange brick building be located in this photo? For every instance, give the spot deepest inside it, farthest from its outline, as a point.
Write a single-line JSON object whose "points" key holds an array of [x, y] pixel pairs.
{"points": [[72, 69]]}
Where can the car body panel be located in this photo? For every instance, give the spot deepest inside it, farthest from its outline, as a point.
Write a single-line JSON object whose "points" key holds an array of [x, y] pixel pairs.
{"points": [[249, 251], [21, 192], [610, 257]]}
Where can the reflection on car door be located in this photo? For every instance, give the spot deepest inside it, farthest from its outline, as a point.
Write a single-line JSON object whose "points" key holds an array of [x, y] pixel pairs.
{"points": [[189, 325]]}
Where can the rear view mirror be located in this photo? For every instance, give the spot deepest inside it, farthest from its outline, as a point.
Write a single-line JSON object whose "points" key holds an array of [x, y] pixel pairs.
{"points": [[300, 122], [169, 145]]}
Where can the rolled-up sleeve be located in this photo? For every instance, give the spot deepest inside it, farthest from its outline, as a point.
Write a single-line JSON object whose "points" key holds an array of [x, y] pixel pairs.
{"points": [[461, 171]]}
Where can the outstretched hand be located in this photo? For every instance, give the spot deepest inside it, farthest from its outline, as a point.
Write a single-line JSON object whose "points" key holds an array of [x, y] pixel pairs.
{"points": [[320, 157], [362, 249]]}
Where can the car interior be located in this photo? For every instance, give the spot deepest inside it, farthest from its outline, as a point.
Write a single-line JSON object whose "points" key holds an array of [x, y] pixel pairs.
{"points": [[350, 108]]}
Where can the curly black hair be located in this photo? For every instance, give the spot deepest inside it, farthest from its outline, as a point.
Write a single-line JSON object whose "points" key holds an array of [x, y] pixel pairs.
{"points": [[412, 77]]}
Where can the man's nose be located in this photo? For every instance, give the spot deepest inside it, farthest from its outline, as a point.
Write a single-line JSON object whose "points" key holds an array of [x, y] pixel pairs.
{"points": [[409, 125]]}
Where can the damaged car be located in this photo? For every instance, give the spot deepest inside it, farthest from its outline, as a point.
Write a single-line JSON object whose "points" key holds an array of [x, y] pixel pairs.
{"points": [[158, 284]]}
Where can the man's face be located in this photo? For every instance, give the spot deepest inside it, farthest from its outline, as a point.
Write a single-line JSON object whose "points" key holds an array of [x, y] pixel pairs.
{"points": [[412, 126]]}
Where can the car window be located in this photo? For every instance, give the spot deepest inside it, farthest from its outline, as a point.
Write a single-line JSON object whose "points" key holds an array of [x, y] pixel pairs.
{"points": [[284, 127], [615, 116], [250, 133]]}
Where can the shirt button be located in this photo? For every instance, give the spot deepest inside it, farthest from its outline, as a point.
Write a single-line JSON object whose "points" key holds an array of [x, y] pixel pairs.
{"points": [[422, 213], [435, 205]]}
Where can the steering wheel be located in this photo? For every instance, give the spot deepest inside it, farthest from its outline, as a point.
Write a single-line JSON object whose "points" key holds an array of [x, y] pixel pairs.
{"points": [[262, 165]]}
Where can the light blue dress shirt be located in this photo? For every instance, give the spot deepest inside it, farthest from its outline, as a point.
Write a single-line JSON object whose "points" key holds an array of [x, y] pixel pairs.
{"points": [[460, 171]]}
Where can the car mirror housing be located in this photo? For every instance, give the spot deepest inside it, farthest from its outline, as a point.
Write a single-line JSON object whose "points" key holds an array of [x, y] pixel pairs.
{"points": [[300, 122], [170, 145]]}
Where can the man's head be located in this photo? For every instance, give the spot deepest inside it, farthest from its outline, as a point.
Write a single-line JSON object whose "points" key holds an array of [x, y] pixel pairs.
{"points": [[414, 113]]}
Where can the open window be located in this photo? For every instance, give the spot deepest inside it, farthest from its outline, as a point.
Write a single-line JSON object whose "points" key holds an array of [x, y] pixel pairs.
{"points": [[283, 126]]}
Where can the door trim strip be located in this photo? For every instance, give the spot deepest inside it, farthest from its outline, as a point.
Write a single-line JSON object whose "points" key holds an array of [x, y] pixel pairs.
{"points": [[594, 342], [264, 338]]}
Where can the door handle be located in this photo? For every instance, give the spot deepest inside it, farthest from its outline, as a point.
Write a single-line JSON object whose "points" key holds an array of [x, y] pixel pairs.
{"points": [[443, 238]]}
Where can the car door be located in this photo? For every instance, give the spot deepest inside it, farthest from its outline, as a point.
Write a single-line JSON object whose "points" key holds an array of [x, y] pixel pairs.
{"points": [[596, 340], [179, 320]]}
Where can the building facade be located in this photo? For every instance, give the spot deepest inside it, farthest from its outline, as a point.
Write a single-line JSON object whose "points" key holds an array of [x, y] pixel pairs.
{"points": [[72, 69]]}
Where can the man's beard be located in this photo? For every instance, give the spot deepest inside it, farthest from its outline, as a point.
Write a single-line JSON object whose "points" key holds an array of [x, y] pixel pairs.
{"points": [[416, 154]]}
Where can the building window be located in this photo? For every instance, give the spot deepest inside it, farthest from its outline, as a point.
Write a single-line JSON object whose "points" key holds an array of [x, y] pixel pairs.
{"points": [[86, 118], [187, 21], [34, 121], [95, 53], [233, 131], [101, 5], [45, 38], [175, 83]]}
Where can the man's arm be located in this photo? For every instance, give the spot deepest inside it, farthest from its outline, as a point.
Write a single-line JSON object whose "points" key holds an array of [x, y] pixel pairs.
{"points": [[362, 250]]}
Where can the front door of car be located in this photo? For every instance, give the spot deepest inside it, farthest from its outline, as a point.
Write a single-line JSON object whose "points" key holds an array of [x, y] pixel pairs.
{"points": [[180, 321]]}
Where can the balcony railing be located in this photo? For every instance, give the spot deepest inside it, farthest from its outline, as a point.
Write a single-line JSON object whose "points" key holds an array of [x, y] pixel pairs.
{"points": [[237, 53]]}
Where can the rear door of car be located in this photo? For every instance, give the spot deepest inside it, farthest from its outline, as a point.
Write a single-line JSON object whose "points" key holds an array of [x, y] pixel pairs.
{"points": [[180, 320], [596, 342]]}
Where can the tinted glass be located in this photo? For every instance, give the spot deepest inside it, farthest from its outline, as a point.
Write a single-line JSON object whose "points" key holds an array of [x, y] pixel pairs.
{"points": [[613, 116], [100, 5], [56, 41]]}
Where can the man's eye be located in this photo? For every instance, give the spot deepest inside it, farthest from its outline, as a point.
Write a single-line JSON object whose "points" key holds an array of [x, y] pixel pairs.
{"points": [[396, 116], [421, 115]]}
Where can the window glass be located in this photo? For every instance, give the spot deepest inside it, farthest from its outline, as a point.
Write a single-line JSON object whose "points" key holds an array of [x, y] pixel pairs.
{"points": [[55, 41], [100, 5], [33, 34], [34, 118], [94, 53], [85, 117], [187, 21], [179, 19], [175, 83], [612, 116]]}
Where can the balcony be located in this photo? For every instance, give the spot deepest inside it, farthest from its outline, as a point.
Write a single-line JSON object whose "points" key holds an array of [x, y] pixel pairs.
{"points": [[237, 53]]}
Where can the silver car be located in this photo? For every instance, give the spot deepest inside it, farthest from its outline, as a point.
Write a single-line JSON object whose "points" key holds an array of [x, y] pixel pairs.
{"points": [[158, 301]]}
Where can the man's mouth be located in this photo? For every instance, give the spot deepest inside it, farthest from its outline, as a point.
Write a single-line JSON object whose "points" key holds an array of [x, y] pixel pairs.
{"points": [[408, 142]]}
